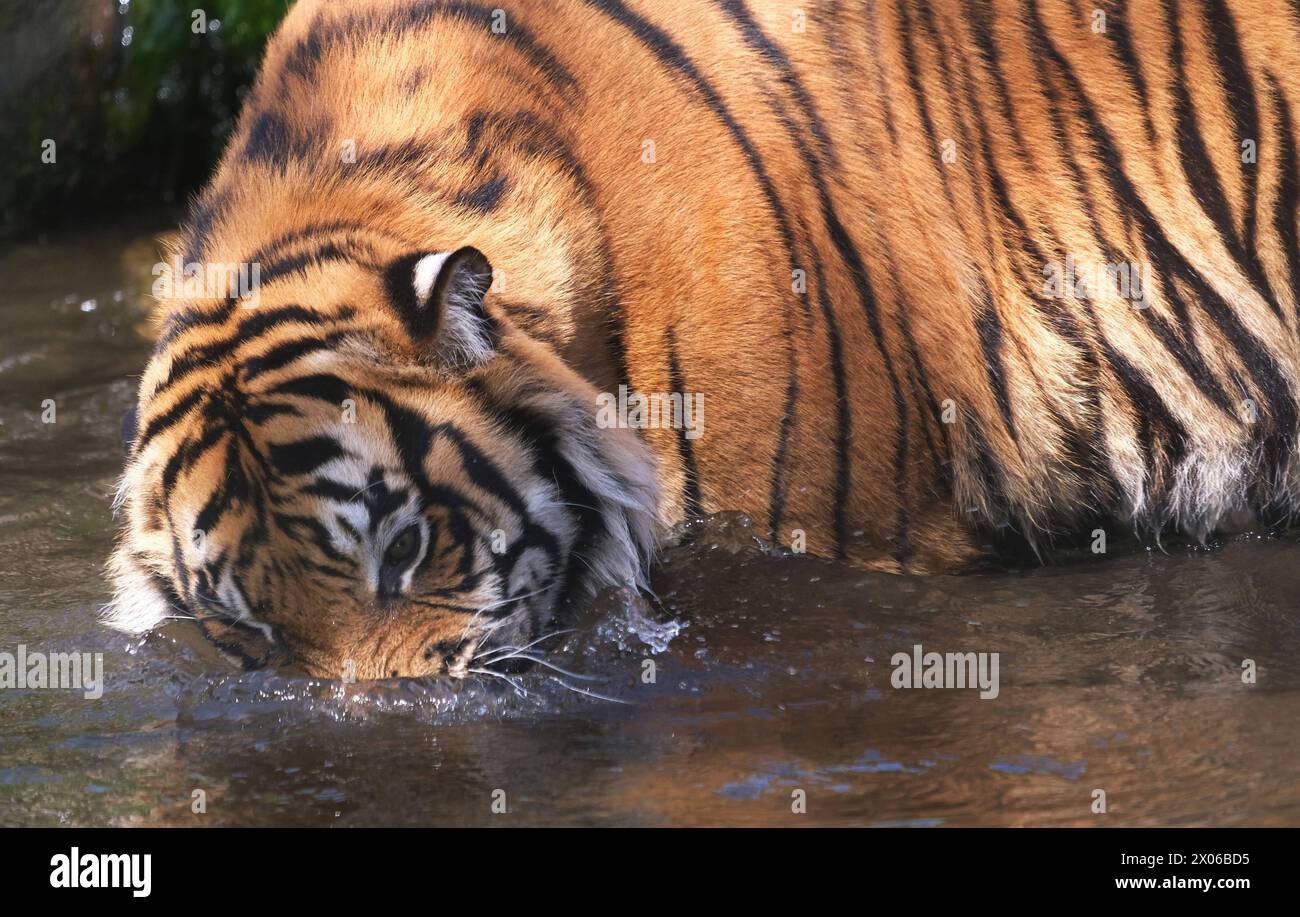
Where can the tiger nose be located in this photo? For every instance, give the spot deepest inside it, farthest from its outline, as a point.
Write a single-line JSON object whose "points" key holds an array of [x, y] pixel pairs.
{"points": [[448, 657]]}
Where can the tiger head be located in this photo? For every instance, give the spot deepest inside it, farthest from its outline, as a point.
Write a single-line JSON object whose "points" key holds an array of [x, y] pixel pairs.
{"points": [[373, 473]]}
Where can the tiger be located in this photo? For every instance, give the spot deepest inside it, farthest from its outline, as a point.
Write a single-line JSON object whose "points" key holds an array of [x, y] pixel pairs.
{"points": [[945, 275]]}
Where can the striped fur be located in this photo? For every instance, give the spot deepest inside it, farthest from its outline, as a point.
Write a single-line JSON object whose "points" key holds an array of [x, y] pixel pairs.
{"points": [[845, 240]]}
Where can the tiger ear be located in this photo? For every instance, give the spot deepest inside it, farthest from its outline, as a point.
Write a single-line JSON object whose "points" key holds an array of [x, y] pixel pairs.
{"points": [[439, 296]]}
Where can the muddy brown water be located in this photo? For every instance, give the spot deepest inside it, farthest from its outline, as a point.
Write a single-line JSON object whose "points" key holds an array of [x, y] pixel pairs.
{"points": [[756, 675]]}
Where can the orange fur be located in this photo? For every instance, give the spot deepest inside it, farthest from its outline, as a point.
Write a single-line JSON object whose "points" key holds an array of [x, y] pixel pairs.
{"points": [[840, 241]]}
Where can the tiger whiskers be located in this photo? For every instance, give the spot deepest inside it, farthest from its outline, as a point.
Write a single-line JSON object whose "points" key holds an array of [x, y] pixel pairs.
{"points": [[372, 484], [514, 683], [592, 694], [468, 655], [526, 646], [523, 692], [539, 660], [497, 604]]}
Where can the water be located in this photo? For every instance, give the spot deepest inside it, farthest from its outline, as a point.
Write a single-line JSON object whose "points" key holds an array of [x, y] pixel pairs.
{"points": [[771, 673]]}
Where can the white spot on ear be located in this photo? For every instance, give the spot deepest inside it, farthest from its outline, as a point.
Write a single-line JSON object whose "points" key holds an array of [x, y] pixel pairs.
{"points": [[425, 275]]}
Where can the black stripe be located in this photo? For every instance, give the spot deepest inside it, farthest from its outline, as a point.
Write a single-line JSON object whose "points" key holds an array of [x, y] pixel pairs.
{"points": [[312, 566], [318, 256], [182, 320], [315, 233], [272, 141], [285, 353], [1253, 353], [988, 322], [321, 386], [305, 455], [989, 327], [529, 135], [979, 21], [988, 468], [189, 455], [674, 59], [255, 323], [1117, 27], [1183, 350], [772, 53], [168, 418], [1288, 190], [685, 449], [525, 133], [220, 618], [205, 212], [1150, 406], [845, 62], [843, 416], [258, 413], [212, 511], [912, 64], [313, 528], [413, 161], [759, 41], [1241, 97], [580, 503], [415, 438], [263, 320], [326, 33], [188, 362], [993, 165], [938, 459], [849, 256], [1199, 168], [334, 490], [483, 198], [1190, 362]]}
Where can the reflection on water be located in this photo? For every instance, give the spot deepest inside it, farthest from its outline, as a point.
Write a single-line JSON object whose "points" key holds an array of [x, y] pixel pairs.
{"points": [[752, 676]]}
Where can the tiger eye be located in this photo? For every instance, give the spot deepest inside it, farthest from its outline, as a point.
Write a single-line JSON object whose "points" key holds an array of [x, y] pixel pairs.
{"points": [[402, 547]]}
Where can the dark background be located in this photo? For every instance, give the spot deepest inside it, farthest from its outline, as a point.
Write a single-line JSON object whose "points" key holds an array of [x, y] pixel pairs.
{"points": [[138, 104]]}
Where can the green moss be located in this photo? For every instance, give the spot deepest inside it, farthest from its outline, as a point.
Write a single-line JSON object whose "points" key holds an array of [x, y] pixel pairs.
{"points": [[137, 99]]}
